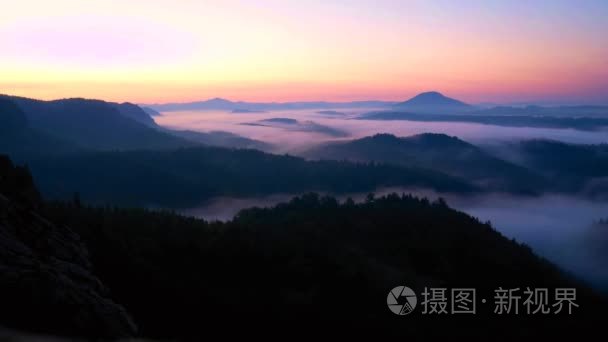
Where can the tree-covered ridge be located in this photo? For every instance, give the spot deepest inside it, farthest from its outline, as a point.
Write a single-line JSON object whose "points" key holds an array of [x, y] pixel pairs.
{"points": [[96, 125], [11, 117], [188, 177], [567, 160], [23, 142], [585, 122], [310, 262], [574, 168], [438, 152]]}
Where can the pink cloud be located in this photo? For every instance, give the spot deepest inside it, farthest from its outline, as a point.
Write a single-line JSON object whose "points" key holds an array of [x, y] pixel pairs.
{"points": [[95, 41]]}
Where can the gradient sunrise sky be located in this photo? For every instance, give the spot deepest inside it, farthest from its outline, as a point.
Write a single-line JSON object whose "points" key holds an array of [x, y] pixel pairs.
{"points": [[181, 50]]}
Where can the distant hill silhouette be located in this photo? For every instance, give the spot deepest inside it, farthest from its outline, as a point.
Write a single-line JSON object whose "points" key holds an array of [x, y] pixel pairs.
{"points": [[287, 121], [222, 139], [437, 152], [100, 125], [21, 141], [11, 117], [300, 126], [97, 124], [248, 107], [151, 111], [331, 113], [560, 111], [570, 167], [498, 118], [433, 102], [136, 113], [245, 111]]}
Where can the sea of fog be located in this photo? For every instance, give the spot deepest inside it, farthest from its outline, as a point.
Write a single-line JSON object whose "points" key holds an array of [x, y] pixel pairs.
{"points": [[556, 227], [293, 139]]}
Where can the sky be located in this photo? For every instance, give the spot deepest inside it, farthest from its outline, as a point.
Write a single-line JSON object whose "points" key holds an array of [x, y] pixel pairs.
{"points": [[154, 51]]}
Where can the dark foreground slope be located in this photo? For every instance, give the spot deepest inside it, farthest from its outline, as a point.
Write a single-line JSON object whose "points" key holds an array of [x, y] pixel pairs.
{"points": [[46, 279], [315, 263], [313, 266]]}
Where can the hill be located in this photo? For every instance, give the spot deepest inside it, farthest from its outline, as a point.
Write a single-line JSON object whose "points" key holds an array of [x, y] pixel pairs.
{"points": [[12, 117], [249, 107], [433, 102], [188, 177], [299, 126], [437, 152], [95, 124], [575, 168], [100, 125], [316, 263], [559, 111], [21, 141], [222, 139], [595, 123]]}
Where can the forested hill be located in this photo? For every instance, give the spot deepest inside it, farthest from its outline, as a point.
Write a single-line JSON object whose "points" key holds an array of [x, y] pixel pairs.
{"points": [[188, 177], [573, 168], [95, 125], [437, 152], [19, 139], [315, 262]]}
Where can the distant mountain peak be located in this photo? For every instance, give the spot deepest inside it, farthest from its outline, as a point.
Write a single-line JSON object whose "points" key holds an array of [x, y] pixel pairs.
{"points": [[433, 101], [219, 100], [433, 98], [430, 94]]}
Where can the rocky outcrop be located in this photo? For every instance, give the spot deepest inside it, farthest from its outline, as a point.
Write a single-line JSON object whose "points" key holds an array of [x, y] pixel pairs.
{"points": [[46, 279]]}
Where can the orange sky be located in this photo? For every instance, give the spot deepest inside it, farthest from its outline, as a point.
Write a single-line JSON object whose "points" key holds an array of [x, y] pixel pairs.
{"points": [[170, 51]]}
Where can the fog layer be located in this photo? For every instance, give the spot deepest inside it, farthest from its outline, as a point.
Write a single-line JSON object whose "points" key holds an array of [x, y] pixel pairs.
{"points": [[291, 141]]}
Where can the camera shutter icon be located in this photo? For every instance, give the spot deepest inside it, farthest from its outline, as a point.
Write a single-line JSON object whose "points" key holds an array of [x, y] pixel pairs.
{"points": [[401, 300]]}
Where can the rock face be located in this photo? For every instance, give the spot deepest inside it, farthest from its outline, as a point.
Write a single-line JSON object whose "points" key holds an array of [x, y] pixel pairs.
{"points": [[46, 281]]}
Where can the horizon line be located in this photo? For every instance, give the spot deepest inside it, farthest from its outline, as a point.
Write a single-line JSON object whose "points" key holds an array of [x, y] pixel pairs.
{"points": [[540, 102]]}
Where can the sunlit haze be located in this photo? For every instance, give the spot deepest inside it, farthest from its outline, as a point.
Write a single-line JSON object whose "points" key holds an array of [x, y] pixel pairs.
{"points": [[156, 51]]}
